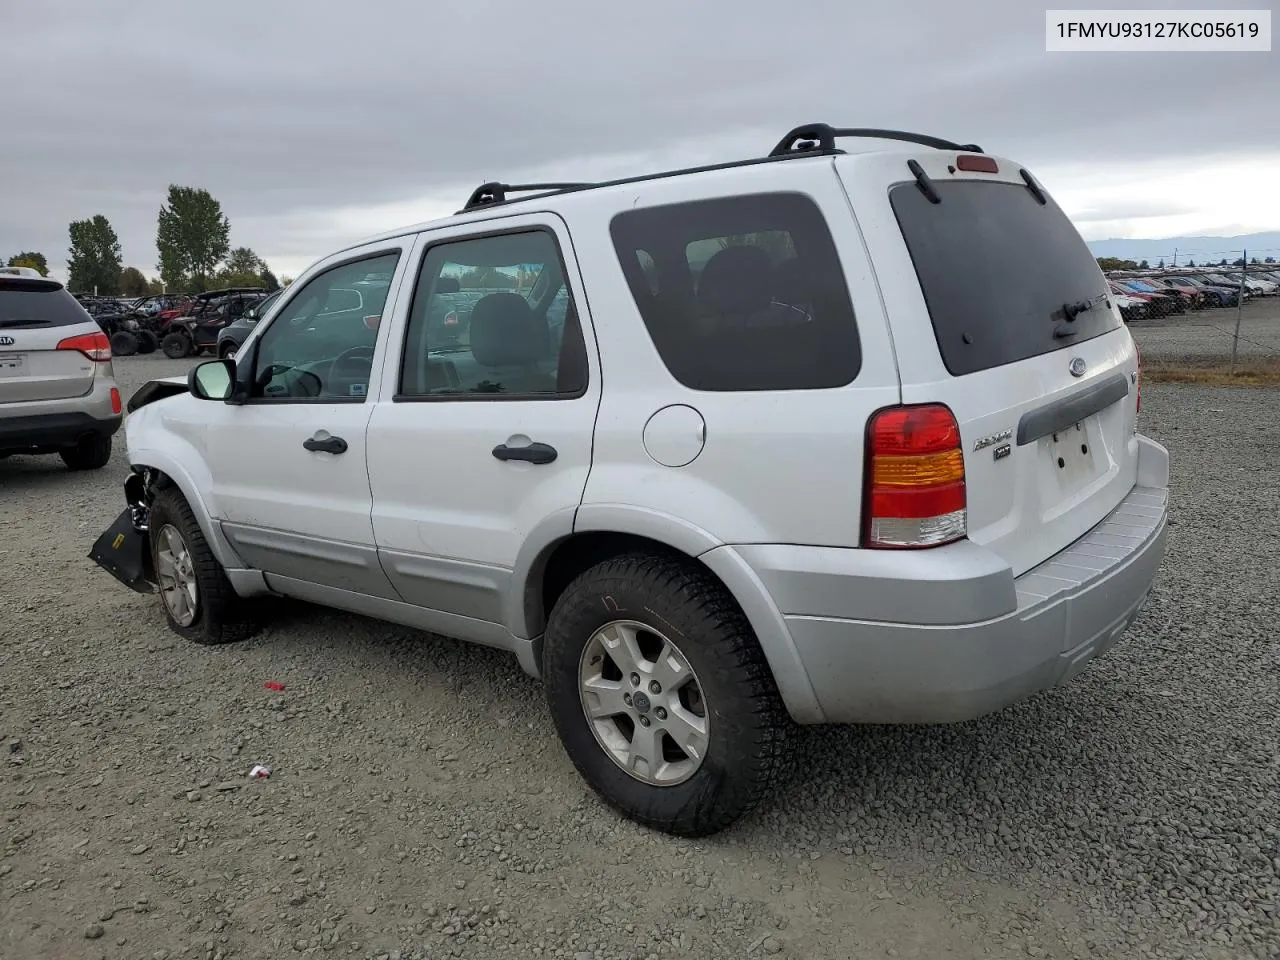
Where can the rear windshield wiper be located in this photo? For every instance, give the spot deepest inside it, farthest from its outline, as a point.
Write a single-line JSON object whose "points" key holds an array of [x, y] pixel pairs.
{"points": [[25, 323], [1073, 310]]}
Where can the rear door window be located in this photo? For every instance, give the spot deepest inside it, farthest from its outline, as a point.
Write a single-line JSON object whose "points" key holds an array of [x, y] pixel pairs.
{"points": [[34, 303], [997, 270], [741, 293]]}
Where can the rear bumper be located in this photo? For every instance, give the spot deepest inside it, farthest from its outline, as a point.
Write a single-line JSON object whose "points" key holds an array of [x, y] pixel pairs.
{"points": [[970, 639], [52, 431]]}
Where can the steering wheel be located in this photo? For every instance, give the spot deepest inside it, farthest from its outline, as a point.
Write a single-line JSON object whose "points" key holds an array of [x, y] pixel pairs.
{"points": [[354, 365]]}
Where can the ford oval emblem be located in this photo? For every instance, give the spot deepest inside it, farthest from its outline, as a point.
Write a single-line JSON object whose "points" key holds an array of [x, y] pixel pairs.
{"points": [[1077, 367]]}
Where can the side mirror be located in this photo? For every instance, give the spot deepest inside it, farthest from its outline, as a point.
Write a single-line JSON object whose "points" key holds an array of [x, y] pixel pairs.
{"points": [[212, 380]]}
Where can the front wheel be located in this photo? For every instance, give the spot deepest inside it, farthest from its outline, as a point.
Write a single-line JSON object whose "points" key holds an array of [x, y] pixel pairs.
{"points": [[176, 345], [147, 342], [197, 598], [662, 696]]}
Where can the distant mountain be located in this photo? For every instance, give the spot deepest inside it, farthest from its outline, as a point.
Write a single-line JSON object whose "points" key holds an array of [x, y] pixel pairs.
{"points": [[1199, 249]]}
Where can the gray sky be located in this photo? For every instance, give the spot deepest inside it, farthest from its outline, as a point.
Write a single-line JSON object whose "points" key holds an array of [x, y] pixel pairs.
{"points": [[316, 123]]}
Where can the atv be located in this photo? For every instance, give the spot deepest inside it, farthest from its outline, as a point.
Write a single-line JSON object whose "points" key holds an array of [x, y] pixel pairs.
{"points": [[197, 330], [126, 333]]}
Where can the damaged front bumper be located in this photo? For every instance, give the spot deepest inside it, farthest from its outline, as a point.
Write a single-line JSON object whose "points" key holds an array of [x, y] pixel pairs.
{"points": [[123, 549]]}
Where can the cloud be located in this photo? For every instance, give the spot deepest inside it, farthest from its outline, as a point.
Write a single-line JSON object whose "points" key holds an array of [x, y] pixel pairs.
{"points": [[311, 123]]}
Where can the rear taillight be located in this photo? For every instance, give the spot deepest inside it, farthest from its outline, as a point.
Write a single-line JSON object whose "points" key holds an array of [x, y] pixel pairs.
{"points": [[95, 346], [116, 404], [915, 489]]}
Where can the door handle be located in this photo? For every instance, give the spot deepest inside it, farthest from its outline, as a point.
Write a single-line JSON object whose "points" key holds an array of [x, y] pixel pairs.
{"points": [[533, 453], [327, 445]]}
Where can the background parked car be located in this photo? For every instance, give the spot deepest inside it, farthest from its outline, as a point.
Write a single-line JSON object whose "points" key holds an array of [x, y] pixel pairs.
{"points": [[232, 336]]}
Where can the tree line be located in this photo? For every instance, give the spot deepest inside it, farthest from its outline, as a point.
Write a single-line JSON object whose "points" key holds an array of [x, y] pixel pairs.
{"points": [[193, 236], [1115, 263]]}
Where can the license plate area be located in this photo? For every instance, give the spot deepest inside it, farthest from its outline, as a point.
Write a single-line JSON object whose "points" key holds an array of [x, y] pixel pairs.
{"points": [[12, 364], [1073, 457]]}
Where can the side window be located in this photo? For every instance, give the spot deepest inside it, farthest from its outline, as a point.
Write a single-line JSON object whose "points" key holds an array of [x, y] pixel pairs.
{"points": [[320, 344], [493, 317], [741, 293]]}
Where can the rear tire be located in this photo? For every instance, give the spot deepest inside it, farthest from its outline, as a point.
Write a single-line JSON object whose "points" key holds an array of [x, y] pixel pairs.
{"points": [[699, 640], [186, 568], [93, 452], [147, 342], [176, 345], [124, 343]]}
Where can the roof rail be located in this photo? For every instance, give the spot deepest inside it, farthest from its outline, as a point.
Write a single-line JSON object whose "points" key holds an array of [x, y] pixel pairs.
{"points": [[493, 192], [821, 138]]}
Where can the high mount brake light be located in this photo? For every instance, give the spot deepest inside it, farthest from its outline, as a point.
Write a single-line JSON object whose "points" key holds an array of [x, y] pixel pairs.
{"points": [[915, 484], [976, 164]]}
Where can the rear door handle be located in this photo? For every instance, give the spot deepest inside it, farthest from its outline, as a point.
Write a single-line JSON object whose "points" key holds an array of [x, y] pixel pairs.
{"points": [[326, 445], [533, 453]]}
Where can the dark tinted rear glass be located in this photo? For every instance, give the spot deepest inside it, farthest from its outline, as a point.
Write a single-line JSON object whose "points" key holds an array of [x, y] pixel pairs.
{"points": [[996, 269], [36, 304], [741, 293]]}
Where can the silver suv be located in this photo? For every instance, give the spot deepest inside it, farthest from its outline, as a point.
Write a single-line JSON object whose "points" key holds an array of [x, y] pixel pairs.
{"points": [[821, 437], [57, 392]]}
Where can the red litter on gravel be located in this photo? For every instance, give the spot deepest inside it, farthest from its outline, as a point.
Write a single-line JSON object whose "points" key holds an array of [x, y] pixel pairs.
{"points": [[273, 685], [259, 772]]}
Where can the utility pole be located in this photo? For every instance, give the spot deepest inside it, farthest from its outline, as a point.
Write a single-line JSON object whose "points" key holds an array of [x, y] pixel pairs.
{"points": [[1235, 340]]}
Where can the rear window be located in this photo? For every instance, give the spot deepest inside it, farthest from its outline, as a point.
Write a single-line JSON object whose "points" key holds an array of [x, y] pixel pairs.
{"points": [[33, 303], [997, 269], [741, 293]]}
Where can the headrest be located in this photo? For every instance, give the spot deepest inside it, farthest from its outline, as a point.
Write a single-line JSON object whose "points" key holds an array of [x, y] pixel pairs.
{"points": [[505, 332], [448, 285], [735, 280]]}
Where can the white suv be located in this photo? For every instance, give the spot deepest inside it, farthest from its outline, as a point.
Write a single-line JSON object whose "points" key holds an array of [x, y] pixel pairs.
{"points": [[57, 391], [822, 437]]}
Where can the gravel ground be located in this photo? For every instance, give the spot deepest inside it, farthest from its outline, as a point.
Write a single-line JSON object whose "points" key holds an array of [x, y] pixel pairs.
{"points": [[1207, 334], [420, 805]]}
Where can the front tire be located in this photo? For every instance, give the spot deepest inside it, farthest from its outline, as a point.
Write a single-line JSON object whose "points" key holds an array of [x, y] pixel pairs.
{"points": [[93, 452], [147, 342], [197, 598], [176, 345], [662, 696]]}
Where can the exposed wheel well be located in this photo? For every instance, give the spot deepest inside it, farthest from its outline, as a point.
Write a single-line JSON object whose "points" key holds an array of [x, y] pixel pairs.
{"points": [[563, 562]]}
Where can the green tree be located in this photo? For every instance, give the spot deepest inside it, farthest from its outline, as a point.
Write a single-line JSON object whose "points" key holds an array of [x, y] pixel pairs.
{"points": [[285, 281], [192, 237], [1222, 262], [93, 261], [1115, 263], [1191, 263], [1144, 265], [269, 279], [132, 282], [155, 286], [1269, 260], [1160, 265], [30, 258], [243, 268]]}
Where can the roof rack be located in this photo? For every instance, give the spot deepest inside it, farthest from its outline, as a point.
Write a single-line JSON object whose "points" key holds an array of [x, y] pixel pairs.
{"points": [[821, 138], [494, 192], [812, 139]]}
